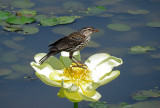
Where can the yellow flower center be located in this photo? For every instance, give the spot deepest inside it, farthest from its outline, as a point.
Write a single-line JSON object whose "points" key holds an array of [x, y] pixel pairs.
{"points": [[78, 75]]}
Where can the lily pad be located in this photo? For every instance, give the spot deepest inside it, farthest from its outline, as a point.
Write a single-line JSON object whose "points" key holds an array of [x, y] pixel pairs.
{"points": [[93, 44], [3, 23], [22, 4], [5, 72], [140, 49], [9, 57], [153, 24], [140, 11], [13, 45], [30, 30], [13, 28], [107, 2], [13, 76], [118, 27], [72, 5], [144, 94], [26, 12], [49, 21], [40, 17], [4, 15], [60, 30], [66, 19], [25, 69], [98, 105], [95, 10], [20, 20]]}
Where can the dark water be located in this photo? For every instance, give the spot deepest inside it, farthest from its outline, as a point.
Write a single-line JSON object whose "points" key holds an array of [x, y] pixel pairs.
{"points": [[138, 72]]}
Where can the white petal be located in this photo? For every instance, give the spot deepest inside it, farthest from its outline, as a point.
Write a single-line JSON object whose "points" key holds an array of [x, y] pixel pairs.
{"points": [[110, 77], [69, 86]]}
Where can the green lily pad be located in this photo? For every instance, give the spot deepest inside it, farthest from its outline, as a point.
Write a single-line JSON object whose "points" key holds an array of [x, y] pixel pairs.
{"points": [[66, 19], [98, 105], [5, 72], [144, 94], [18, 38], [13, 45], [13, 28], [20, 20], [60, 30], [118, 27], [13, 76], [4, 15], [93, 44], [49, 21], [72, 5], [26, 12], [22, 4], [3, 23], [141, 11], [107, 2], [25, 69], [95, 10], [153, 24], [140, 49], [30, 30], [9, 57], [40, 17]]}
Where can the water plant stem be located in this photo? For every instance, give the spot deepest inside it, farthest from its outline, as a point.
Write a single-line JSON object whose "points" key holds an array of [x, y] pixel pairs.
{"points": [[75, 104]]}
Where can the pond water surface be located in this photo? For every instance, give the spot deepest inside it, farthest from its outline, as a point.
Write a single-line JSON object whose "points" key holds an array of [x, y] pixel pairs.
{"points": [[138, 25]]}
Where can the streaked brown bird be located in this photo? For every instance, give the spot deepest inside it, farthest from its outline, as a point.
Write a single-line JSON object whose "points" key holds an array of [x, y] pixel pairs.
{"points": [[71, 43]]}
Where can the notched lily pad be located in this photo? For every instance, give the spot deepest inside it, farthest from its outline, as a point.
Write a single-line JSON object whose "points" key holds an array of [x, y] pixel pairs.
{"points": [[98, 105], [25, 69], [95, 10], [22, 4], [153, 24], [49, 21], [20, 20], [26, 12], [66, 19], [5, 72], [145, 94], [140, 11], [4, 15], [13, 45], [140, 49], [118, 27]]}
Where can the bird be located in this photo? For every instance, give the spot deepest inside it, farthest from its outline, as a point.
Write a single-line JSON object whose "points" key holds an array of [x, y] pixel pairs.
{"points": [[71, 43]]}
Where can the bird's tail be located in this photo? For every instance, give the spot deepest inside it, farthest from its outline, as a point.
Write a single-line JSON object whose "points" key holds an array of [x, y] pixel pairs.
{"points": [[43, 59]]}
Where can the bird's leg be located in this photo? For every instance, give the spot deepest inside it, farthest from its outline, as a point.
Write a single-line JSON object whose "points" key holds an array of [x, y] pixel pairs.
{"points": [[75, 60]]}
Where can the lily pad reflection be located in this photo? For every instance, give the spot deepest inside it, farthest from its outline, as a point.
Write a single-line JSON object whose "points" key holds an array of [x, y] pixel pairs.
{"points": [[118, 27], [22, 4]]}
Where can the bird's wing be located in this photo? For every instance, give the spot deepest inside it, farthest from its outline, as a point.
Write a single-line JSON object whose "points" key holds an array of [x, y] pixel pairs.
{"points": [[67, 42]]}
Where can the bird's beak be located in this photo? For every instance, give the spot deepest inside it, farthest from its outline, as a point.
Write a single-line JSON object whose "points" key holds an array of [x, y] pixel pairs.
{"points": [[96, 30]]}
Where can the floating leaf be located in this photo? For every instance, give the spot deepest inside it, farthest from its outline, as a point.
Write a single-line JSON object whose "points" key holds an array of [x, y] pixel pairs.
{"points": [[30, 30], [140, 49], [26, 12], [20, 20], [22, 4], [118, 27], [98, 105], [153, 24], [5, 72], [107, 2], [60, 30], [13, 76], [141, 11], [49, 21], [13, 28], [66, 20], [13, 45], [40, 17], [9, 57], [25, 69], [72, 5], [95, 10], [3, 23], [4, 15], [144, 94], [93, 44]]}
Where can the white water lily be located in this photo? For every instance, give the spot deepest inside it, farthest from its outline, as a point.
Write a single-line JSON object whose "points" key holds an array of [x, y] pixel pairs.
{"points": [[77, 83]]}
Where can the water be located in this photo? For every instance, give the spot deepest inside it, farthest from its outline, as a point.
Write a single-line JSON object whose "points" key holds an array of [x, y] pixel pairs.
{"points": [[138, 72]]}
